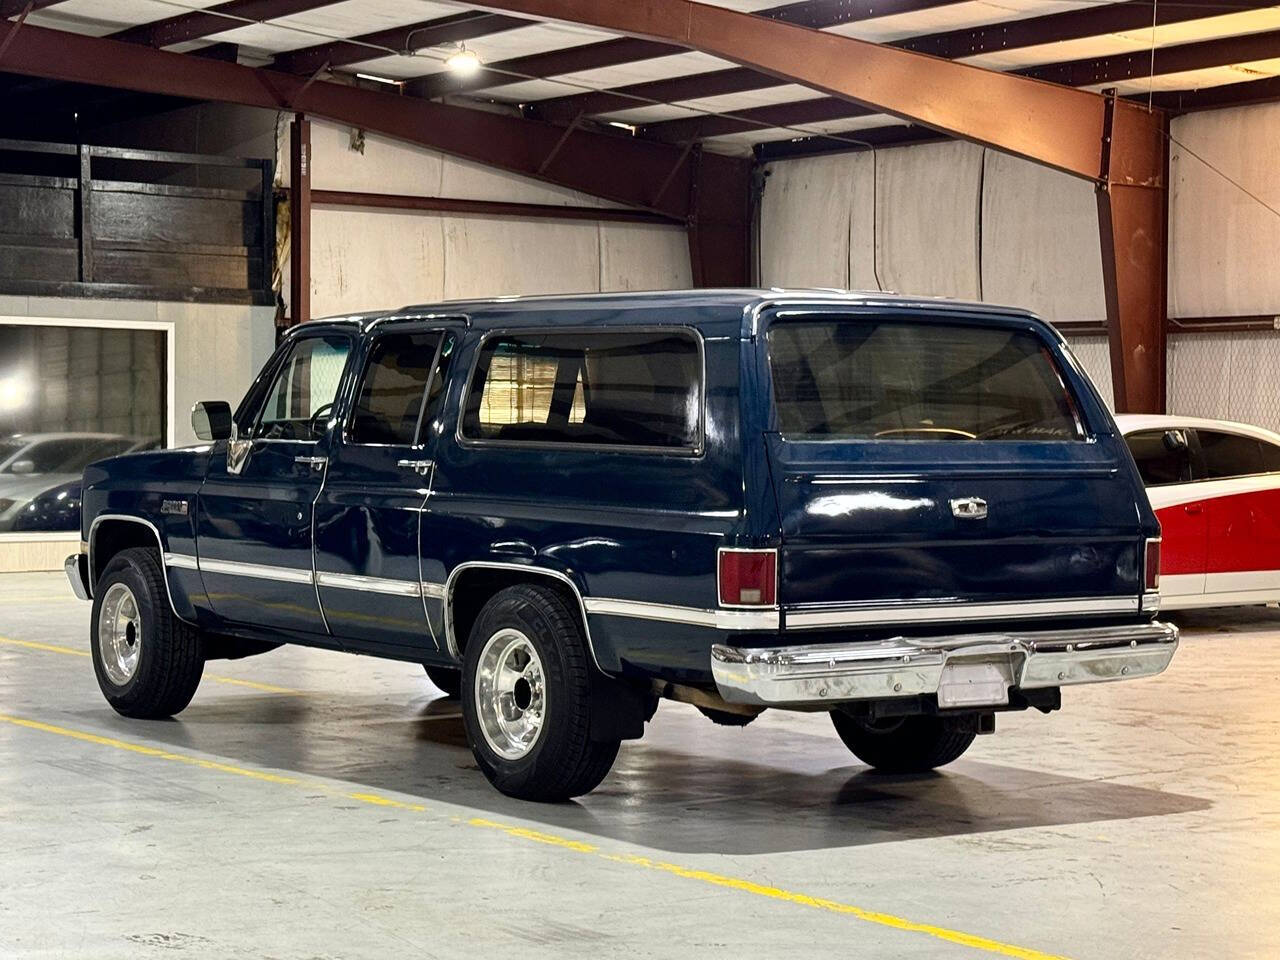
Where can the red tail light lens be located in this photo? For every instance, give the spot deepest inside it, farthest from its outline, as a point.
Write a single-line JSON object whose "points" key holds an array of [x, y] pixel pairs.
{"points": [[748, 578], [1151, 564]]}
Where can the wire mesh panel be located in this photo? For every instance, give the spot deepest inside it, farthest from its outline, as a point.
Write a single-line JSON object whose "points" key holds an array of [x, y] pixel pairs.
{"points": [[1228, 376], [1095, 356]]}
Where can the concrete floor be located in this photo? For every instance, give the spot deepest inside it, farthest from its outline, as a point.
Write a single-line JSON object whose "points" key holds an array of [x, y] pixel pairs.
{"points": [[315, 805]]}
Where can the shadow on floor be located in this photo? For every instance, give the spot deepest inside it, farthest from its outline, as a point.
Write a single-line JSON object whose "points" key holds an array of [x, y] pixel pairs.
{"points": [[688, 787]]}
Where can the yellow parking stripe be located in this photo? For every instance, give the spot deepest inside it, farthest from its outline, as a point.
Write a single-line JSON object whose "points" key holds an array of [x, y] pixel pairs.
{"points": [[146, 751], [958, 937], [233, 681]]}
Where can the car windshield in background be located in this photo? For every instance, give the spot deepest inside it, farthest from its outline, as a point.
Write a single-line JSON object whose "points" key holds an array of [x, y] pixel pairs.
{"points": [[891, 380]]}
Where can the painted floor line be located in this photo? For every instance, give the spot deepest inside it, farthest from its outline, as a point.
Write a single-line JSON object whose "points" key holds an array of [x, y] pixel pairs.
{"points": [[958, 937], [231, 681]]}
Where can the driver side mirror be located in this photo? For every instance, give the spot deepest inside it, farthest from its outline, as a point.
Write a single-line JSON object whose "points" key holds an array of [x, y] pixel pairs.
{"points": [[211, 420], [22, 467]]}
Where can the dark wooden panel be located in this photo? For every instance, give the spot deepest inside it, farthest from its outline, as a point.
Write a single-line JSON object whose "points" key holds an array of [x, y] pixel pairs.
{"points": [[37, 263], [170, 219], [157, 269], [37, 211]]}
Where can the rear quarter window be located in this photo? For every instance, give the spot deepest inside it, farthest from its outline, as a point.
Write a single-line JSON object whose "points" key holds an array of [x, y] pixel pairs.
{"points": [[617, 388], [897, 380]]}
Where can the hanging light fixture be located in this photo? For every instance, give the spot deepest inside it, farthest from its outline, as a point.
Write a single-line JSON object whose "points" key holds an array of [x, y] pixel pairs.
{"points": [[463, 61]]}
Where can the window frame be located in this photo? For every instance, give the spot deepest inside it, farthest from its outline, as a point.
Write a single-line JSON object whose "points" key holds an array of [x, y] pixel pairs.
{"points": [[696, 451], [444, 329], [1199, 463], [262, 387], [1085, 431], [1192, 450]]}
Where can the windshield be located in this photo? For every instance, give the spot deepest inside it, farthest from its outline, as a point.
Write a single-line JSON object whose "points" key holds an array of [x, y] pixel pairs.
{"points": [[9, 447], [899, 380]]}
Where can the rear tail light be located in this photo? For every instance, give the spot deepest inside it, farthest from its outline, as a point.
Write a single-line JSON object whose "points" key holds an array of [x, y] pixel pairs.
{"points": [[1151, 565], [748, 578]]}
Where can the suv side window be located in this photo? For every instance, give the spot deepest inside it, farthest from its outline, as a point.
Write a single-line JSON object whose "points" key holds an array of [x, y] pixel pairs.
{"points": [[305, 384], [617, 388], [1159, 461], [389, 403], [1229, 455]]}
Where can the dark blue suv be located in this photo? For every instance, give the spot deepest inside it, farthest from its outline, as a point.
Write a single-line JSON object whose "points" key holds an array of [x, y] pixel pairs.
{"points": [[909, 513]]}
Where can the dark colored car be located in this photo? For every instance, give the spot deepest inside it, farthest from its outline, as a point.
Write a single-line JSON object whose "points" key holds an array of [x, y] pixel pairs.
{"points": [[909, 513]]}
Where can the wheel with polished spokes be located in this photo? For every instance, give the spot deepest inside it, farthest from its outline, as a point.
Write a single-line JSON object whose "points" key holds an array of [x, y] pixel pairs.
{"points": [[147, 661], [526, 697]]}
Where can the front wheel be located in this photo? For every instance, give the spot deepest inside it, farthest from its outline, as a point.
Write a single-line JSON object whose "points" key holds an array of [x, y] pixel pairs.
{"points": [[526, 698], [905, 744], [148, 662]]}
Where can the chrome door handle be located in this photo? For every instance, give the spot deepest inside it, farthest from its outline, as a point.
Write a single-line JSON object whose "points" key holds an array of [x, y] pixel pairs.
{"points": [[315, 463], [422, 467]]}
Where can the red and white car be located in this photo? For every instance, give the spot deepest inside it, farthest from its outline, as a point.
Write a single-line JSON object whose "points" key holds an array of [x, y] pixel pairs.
{"points": [[1215, 486]]}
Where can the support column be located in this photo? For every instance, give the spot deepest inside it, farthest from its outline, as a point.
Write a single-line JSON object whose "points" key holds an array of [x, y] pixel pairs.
{"points": [[720, 225], [1132, 215], [299, 219]]}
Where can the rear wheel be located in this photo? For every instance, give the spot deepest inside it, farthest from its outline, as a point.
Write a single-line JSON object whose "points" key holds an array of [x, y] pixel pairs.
{"points": [[148, 662], [905, 744], [526, 698], [448, 680]]}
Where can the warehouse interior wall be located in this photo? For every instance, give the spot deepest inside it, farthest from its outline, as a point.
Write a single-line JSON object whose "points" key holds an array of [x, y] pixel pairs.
{"points": [[957, 220], [364, 259], [217, 350]]}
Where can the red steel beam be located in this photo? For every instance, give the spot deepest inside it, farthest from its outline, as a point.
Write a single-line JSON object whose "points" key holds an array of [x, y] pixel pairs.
{"points": [[299, 219], [1046, 123], [211, 20], [623, 169], [1132, 211], [485, 208], [815, 14], [11, 8], [1032, 31], [427, 33]]}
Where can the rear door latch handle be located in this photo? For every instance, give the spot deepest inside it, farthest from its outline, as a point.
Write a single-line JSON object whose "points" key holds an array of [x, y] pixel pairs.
{"points": [[315, 463], [422, 467]]}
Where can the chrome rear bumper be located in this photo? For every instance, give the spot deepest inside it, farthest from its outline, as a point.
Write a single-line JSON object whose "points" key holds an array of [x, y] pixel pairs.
{"points": [[963, 670]]}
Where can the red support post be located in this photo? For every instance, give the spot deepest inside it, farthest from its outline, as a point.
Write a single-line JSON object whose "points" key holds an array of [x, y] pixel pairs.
{"points": [[1132, 213], [300, 219]]}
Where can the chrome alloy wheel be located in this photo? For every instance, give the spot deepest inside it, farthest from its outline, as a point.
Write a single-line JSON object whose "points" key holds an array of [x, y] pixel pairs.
{"points": [[119, 634], [510, 694]]}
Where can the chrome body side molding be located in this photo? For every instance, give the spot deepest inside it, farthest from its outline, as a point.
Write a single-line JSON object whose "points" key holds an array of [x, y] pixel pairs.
{"points": [[766, 618]]}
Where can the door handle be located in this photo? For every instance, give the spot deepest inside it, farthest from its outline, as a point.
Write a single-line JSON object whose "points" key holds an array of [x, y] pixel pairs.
{"points": [[422, 467], [1193, 508], [315, 463]]}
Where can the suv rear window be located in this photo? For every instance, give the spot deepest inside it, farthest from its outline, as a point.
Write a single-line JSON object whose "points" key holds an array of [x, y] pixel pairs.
{"points": [[896, 380], [616, 388]]}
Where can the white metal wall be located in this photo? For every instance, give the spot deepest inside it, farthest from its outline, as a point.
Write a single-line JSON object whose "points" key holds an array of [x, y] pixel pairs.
{"points": [[947, 219], [368, 259]]}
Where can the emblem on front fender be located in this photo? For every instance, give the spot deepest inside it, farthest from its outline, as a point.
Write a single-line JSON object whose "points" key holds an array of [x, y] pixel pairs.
{"points": [[969, 508]]}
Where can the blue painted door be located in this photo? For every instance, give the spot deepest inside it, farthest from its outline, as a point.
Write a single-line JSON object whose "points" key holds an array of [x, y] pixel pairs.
{"points": [[255, 507], [369, 513]]}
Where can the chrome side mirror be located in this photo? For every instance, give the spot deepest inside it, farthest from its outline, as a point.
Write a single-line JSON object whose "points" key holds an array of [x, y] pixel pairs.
{"points": [[211, 419]]}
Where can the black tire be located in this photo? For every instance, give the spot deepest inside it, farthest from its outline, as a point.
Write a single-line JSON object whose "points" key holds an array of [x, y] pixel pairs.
{"points": [[563, 760], [905, 744], [170, 658], [448, 680]]}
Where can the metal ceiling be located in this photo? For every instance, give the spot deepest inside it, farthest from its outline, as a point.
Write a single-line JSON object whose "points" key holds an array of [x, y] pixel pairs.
{"points": [[1177, 52]]}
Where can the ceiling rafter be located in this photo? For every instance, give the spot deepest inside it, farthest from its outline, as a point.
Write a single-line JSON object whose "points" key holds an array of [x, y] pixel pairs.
{"points": [[623, 169], [427, 33], [12, 8], [815, 14], [1071, 25], [216, 19]]}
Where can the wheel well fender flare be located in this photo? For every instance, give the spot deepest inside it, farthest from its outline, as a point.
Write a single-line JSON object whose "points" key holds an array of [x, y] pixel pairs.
{"points": [[95, 568], [518, 573]]}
